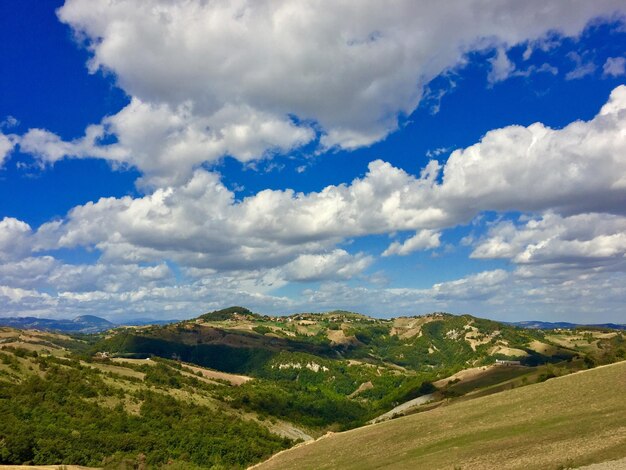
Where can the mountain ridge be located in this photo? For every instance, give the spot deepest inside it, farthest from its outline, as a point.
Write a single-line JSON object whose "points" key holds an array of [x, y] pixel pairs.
{"points": [[543, 325], [85, 324], [94, 324]]}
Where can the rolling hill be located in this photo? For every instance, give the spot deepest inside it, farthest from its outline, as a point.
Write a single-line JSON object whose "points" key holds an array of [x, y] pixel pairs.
{"points": [[247, 385], [562, 423], [56, 408]]}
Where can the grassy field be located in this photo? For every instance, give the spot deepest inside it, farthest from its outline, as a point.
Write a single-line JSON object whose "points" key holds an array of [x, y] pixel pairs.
{"points": [[565, 422]]}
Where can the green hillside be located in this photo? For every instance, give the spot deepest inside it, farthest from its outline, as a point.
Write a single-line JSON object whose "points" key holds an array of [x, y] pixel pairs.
{"points": [[58, 409], [232, 387], [562, 423], [338, 370]]}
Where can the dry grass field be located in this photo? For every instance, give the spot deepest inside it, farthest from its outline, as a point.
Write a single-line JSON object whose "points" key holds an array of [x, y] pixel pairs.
{"points": [[566, 422]]}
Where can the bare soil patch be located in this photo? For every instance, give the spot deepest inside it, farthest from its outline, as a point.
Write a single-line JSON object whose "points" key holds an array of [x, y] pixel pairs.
{"points": [[364, 386], [506, 351], [234, 379], [463, 375], [338, 337], [406, 327]]}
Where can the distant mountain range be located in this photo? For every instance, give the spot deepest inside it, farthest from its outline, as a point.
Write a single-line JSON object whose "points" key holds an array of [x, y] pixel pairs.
{"points": [[80, 324], [544, 325]]}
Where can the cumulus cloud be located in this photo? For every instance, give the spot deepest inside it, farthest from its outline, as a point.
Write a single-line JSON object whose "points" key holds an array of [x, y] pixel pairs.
{"points": [[167, 144], [579, 168], [200, 224], [15, 239], [473, 287], [422, 240], [574, 170], [9, 122], [107, 277], [29, 272], [140, 299], [579, 297], [49, 147], [252, 78], [338, 264], [16, 295], [571, 178], [7, 144], [614, 67], [584, 240]]}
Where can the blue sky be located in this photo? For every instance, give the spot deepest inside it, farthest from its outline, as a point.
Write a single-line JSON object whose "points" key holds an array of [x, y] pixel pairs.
{"points": [[163, 159]]}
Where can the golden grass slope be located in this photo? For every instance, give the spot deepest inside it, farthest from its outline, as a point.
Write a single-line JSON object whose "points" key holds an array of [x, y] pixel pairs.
{"points": [[565, 422]]}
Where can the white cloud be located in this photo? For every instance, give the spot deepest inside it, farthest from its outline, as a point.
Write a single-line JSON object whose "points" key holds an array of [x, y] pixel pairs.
{"points": [[501, 67], [582, 297], [579, 168], [167, 144], [200, 224], [15, 295], [29, 272], [245, 249], [581, 68], [338, 264], [209, 79], [614, 67], [15, 239], [422, 240], [9, 121], [584, 241], [433, 154], [168, 300], [574, 170], [456, 295], [112, 278], [473, 287], [7, 144], [532, 69], [526, 293], [51, 148]]}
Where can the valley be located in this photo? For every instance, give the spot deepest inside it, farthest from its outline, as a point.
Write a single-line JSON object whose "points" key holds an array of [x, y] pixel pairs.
{"points": [[231, 388]]}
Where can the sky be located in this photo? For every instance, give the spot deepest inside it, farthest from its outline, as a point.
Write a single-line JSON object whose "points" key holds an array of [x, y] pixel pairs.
{"points": [[160, 159]]}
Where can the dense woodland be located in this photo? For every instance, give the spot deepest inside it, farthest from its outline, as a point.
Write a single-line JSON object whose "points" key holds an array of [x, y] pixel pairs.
{"points": [[54, 418]]}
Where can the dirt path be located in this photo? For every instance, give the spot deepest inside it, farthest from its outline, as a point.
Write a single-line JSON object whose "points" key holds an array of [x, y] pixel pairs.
{"points": [[285, 429], [403, 407], [463, 375], [234, 379], [610, 465]]}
